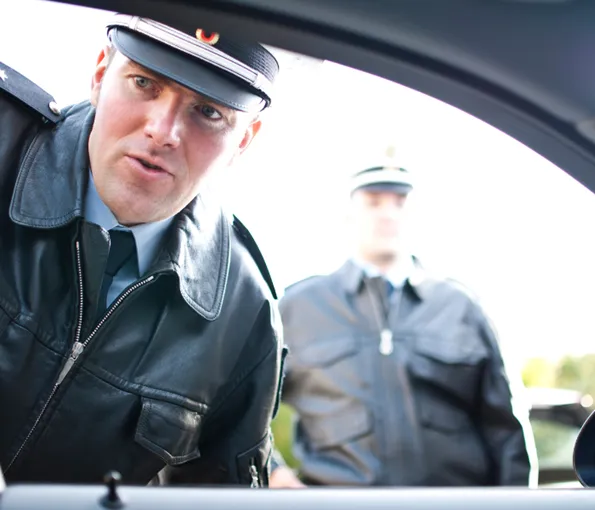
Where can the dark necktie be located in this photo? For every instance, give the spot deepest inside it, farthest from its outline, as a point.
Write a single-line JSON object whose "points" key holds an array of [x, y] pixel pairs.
{"points": [[383, 286], [383, 289], [389, 288], [122, 249]]}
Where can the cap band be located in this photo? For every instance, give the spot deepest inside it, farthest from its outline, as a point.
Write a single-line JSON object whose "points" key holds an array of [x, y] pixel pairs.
{"points": [[382, 175], [196, 48]]}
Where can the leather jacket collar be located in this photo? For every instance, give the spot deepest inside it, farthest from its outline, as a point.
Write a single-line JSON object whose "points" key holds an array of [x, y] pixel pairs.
{"points": [[49, 193], [352, 276]]}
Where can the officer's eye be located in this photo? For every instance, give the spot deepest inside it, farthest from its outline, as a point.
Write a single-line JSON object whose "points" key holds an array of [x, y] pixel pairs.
{"points": [[209, 112], [142, 82]]}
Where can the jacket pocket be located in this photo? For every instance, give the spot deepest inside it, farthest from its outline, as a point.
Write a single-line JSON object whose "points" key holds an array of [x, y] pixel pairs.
{"points": [[438, 414], [452, 363], [253, 464], [327, 351], [331, 429], [463, 347], [329, 369], [169, 430], [4, 321]]}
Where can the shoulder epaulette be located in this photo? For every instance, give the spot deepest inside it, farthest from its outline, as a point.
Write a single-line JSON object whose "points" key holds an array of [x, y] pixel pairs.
{"points": [[250, 244], [462, 287], [29, 94], [302, 281]]}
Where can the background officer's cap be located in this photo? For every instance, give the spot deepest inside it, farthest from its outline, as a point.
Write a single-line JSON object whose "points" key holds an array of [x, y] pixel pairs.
{"points": [[239, 75], [383, 178]]}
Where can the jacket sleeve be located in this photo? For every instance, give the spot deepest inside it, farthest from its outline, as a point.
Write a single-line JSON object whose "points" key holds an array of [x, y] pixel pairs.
{"points": [[277, 460], [504, 417], [236, 443], [288, 384]]}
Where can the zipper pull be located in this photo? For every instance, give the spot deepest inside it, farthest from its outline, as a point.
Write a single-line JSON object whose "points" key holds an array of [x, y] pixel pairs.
{"points": [[386, 342], [255, 484], [77, 348]]}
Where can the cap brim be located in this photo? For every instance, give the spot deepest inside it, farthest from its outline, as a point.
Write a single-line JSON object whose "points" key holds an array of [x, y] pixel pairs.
{"points": [[584, 453], [186, 70], [386, 187]]}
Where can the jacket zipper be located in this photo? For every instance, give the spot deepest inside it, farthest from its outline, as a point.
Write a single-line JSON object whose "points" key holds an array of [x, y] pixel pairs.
{"points": [[386, 345], [255, 479], [78, 346]]}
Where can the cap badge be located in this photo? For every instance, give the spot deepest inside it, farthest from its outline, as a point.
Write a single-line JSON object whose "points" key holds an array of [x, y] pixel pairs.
{"points": [[207, 37], [3, 75]]}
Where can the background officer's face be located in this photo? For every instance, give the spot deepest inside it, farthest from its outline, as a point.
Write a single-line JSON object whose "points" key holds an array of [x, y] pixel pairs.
{"points": [[153, 141], [376, 224]]}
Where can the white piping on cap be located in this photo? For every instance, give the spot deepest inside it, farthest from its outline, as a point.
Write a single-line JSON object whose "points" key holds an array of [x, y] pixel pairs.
{"points": [[390, 175], [193, 47]]}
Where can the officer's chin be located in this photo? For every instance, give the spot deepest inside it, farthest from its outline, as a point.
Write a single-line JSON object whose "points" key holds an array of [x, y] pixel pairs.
{"points": [[385, 254]]}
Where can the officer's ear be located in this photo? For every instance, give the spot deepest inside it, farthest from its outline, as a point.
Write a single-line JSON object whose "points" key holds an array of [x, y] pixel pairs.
{"points": [[251, 131], [347, 211], [104, 58]]}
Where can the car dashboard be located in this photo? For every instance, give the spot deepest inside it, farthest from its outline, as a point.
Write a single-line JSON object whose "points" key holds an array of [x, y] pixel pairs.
{"points": [[20, 497]]}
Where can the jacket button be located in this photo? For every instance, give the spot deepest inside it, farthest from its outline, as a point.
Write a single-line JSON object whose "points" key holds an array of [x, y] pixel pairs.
{"points": [[54, 108]]}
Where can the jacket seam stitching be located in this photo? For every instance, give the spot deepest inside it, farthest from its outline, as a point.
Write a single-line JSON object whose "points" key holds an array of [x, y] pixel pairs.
{"points": [[14, 319], [159, 450], [143, 390], [241, 380]]}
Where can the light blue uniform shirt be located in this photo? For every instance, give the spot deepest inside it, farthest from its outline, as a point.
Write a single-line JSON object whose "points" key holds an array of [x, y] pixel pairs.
{"points": [[397, 276], [147, 238]]}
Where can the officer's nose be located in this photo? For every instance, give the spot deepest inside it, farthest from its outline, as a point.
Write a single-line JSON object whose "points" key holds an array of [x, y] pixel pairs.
{"points": [[389, 212], [165, 122]]}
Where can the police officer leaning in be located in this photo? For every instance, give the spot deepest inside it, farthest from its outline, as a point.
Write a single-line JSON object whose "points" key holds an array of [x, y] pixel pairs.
{"points": [[395, 375], [137, 319]]}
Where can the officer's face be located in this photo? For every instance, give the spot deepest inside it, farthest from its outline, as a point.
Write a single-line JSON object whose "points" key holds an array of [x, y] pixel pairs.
{"points": [[376, 222], [153, 142]]}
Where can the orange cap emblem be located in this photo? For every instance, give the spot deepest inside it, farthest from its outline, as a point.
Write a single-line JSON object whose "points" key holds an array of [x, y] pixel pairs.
{"points": [[207, 37]]}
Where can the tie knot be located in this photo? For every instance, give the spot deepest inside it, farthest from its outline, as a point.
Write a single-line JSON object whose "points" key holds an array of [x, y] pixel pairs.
{"points": [[383, 285], [122, 248]]}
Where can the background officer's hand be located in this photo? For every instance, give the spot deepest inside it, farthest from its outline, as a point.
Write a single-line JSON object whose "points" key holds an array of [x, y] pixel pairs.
{"points": [[284, 478]]}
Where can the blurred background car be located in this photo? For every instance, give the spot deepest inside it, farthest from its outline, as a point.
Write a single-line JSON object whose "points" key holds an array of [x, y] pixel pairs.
{"points": [[556, 417]]}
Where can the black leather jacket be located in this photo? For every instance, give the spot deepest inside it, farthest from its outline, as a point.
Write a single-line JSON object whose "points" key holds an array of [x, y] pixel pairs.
{"points": [[427, 404], [180, 377]]}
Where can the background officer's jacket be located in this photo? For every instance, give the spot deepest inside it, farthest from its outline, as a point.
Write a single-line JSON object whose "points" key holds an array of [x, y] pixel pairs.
{"points": [[435, 411]]}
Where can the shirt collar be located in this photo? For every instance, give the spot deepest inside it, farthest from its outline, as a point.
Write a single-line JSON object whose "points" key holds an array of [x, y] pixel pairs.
{"points": [[147, 236], [398, 274]]}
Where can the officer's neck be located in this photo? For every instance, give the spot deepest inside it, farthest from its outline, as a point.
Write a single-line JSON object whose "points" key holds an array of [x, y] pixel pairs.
{"points": [[385, 263]]}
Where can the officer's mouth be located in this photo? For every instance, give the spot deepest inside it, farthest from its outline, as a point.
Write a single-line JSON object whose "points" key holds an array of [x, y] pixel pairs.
{"points": [[149, 165]]}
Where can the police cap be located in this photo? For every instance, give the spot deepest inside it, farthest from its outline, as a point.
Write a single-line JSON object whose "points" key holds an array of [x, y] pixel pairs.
{"points": [[383, 178], [239, 75]]}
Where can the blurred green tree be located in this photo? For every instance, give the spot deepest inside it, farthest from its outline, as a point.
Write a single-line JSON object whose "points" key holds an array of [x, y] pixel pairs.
{"points": [[577, 373], [282, 427], [539, 372]]}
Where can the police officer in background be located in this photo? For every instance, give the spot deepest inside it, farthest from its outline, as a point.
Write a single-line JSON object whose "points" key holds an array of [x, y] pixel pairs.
{"points": [[137, 319], [395, 375]]}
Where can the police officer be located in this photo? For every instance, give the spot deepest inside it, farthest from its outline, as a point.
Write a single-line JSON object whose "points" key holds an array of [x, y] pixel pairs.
{"points": [[395, 374], [137, 319]]}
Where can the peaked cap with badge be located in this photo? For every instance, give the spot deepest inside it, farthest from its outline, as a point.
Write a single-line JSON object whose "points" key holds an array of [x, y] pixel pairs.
{"points": [[383, 178], [237, 74]]}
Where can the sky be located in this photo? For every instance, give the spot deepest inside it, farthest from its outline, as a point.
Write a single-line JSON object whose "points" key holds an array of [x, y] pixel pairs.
{"points": [[486, 211]]}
